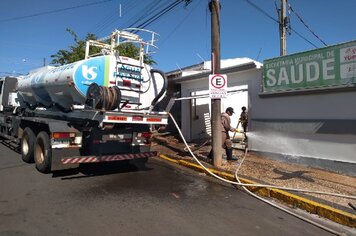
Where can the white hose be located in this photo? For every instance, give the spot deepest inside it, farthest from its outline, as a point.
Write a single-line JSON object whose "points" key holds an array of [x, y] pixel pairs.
{"points": [[279, 207], [254, 185], [238, 183]]}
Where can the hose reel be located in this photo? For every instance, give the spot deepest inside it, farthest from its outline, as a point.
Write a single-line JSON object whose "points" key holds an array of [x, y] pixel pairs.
{"points": [[101, 97]]}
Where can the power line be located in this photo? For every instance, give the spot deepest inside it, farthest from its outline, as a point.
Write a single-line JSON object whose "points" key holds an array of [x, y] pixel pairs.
{"points": [[159, 14], [301, 20], [303, 37], [147, 11], [102, 25], [276, 21], [154, 13], [187, 2], [130, 7], [127, 7], [180, 23], [53, 11], [149, 14], [162, 10], [262, 11]]}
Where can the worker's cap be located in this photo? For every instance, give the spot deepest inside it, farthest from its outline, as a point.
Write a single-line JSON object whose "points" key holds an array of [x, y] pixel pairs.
{"points": [[230, 109]]}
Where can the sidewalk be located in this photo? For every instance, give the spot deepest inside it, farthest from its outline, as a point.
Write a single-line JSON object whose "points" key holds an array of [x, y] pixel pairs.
{"points": [[261, 170]]}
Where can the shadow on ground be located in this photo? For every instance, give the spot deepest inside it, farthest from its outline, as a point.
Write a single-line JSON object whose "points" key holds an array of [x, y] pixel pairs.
{"points": [[11, 145], [98, 169]]}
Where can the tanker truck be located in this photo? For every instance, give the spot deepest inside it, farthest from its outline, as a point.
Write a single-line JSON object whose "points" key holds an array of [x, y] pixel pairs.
{"points": [[99, 109]]}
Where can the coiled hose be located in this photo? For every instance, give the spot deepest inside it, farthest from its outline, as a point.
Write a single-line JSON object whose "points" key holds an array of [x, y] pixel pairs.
{"points": [[101, 97]]}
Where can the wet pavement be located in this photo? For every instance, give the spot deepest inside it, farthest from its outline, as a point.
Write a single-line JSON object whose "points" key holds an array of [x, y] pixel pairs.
{"points": [[158, 198], [266, 171]]}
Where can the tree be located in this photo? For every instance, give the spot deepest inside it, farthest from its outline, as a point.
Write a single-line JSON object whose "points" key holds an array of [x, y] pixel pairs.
{"points": [[76, 51], [130, 50]]}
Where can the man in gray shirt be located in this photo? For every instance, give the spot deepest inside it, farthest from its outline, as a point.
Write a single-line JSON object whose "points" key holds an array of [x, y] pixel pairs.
{"points": [[225, 128]]}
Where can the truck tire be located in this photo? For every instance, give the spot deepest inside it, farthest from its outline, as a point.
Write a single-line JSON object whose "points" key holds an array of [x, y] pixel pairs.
{"points": [[27, 145], [43, 153]]}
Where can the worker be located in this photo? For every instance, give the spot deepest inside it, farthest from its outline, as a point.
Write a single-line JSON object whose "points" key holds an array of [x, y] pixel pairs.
{"points": [[244, 121], [225, 128]]}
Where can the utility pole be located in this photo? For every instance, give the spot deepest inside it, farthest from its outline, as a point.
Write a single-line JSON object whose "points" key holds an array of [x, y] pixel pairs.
{"points": [[283, 28], [214, 6]]}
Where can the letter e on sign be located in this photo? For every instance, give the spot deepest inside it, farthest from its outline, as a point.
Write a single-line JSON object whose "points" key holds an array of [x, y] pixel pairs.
{"points": [[218, 86]]}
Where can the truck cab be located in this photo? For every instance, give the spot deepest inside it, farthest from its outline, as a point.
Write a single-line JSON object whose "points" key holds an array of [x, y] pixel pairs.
{"points": [[8, 95]]}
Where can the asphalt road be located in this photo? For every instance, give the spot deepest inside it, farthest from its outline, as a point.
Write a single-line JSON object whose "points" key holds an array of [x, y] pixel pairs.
{"points": [[159, 199]]}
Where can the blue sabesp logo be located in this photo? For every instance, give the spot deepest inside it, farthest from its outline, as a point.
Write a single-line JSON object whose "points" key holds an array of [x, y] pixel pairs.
{"points": [[88, 72]]}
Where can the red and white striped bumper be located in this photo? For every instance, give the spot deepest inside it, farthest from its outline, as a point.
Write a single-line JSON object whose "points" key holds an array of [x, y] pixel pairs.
{"points": [[93, 159]]}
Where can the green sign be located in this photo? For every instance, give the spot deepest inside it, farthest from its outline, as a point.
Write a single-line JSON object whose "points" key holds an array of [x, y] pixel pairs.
{"points": [[328, 67]]}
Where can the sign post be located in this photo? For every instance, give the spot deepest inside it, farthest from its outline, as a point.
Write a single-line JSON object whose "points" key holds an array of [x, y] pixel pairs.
{"points": [[216, 145]]}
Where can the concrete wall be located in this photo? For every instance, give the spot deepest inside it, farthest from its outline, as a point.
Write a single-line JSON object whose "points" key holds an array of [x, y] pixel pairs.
{"points": [[313, 127], [196, 115], [317, 129]]}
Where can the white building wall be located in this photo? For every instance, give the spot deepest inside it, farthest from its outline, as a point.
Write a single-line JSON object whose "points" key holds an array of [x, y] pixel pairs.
{"points": [[315, 127], [318, 125], [196, 120]]}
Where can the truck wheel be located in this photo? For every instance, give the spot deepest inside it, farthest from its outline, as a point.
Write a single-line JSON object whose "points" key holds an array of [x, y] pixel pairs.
{"points": [[43, 153], [27, 145]]}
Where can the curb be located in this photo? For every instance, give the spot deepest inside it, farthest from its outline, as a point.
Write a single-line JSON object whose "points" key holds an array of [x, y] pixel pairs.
{"points": [[310, 206]]}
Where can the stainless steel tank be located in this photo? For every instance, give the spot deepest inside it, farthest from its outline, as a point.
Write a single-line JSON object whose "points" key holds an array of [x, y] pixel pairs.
{"points": [[67, 85]]}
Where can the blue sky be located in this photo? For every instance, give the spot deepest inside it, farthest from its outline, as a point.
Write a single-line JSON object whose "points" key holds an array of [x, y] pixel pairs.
{"points": [[185, 37]]}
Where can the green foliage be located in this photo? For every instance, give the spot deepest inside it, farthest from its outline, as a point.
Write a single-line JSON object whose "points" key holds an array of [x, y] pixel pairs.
{"points": [[148, 60], [76, 52], [130, 50]]}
